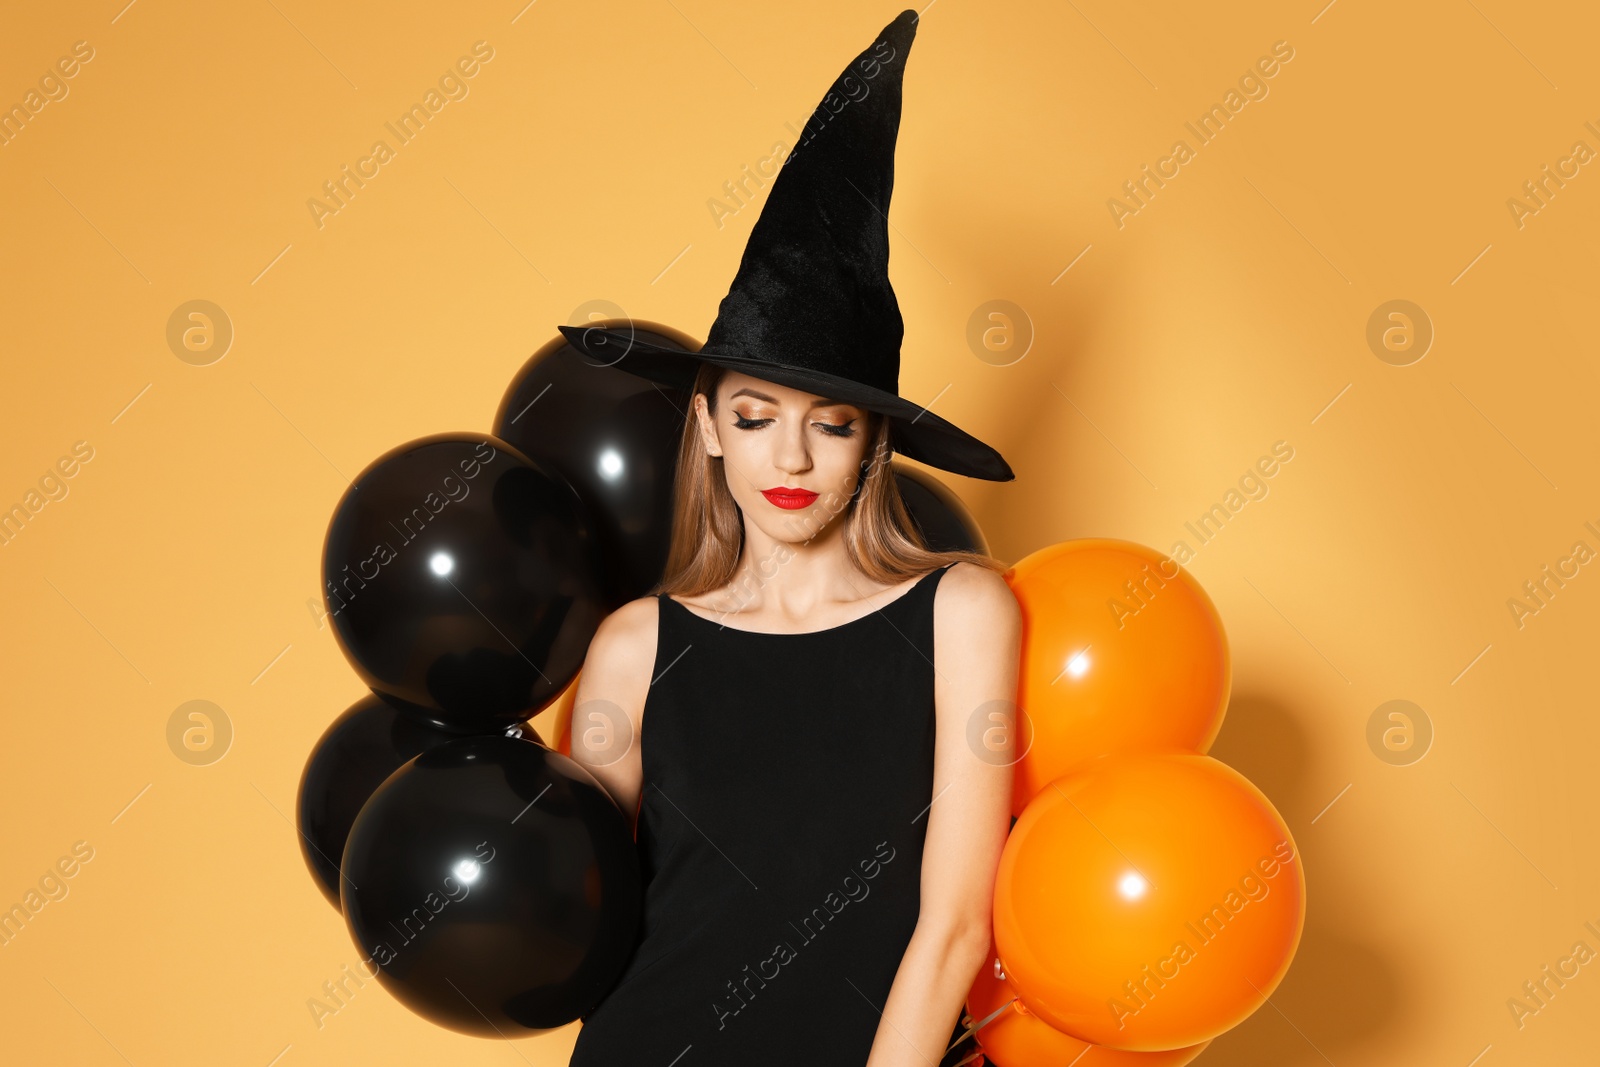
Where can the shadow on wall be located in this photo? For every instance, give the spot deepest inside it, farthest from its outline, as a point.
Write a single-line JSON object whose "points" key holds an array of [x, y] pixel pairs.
{"points": [[1341, 993], [1032, 417]]}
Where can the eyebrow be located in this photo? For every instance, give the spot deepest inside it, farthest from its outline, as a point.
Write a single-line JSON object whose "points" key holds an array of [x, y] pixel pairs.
{"points": [[773, 400]]}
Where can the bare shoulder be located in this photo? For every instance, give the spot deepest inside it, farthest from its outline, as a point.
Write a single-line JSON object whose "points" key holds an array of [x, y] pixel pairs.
{"points": [[630, 623], [622, 654], [974, 598]]}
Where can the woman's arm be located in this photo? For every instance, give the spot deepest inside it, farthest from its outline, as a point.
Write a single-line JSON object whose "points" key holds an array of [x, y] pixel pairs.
{"points": [[608, 707], [977, 654]]}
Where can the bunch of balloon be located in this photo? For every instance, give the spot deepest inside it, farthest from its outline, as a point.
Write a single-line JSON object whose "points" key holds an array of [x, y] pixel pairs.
{"points": [[1148, 897], [489, 880]]}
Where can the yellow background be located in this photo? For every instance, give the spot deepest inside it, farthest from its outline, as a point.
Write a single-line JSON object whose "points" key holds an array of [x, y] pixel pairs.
{"points": [[1229, 313]]}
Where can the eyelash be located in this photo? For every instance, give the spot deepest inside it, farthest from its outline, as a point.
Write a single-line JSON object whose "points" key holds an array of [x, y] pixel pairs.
{"points": [[841, 430]]}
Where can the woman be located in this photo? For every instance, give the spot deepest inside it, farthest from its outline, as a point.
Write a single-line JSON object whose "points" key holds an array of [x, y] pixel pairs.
{"points": [[808, 720], [792, 623]]}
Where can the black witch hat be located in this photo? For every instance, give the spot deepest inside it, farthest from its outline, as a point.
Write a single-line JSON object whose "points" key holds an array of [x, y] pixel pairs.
{"points": [[811, 306]]}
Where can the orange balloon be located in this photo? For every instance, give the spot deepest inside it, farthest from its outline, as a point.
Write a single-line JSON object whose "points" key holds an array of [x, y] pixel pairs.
{"points": [[1018, 1038], [560, 725], [1148, 901], [1122, 651]]}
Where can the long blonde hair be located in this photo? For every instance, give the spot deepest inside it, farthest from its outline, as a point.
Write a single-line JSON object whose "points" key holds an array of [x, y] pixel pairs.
{"points": [[880, 537]]}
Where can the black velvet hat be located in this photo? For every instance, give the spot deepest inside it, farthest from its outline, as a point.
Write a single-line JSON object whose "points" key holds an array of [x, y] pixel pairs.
{"points": [[811, 306]]}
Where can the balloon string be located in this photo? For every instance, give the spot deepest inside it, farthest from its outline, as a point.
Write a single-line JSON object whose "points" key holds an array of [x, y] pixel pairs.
{"points": [[975, 1027]]}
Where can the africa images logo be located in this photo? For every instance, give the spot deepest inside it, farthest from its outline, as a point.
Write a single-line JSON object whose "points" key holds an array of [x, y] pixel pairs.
{"points": [[854, 89], [411, 527]]}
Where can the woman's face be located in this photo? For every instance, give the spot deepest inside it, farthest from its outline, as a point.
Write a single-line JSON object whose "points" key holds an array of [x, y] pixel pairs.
{"points": [[773, 438]]}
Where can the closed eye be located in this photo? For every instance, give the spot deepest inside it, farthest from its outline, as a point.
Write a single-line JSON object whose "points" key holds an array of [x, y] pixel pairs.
{"points": [[845, 429]]}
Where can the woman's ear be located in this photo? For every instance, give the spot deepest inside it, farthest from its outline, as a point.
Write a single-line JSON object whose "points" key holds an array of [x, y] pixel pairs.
{"points": [[708, 426]]}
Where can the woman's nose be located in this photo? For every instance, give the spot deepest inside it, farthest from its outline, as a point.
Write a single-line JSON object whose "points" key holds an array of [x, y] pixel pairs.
{"points": [[793, 455]]}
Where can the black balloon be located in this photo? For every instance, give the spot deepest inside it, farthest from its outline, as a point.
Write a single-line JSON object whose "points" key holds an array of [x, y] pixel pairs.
{"points": [[495, 887], [945, 522], [355, 754], [614, 437], [463, 581]]}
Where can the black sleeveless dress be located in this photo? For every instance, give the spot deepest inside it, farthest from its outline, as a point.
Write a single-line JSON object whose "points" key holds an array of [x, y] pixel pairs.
{"points": [[787, 780]]}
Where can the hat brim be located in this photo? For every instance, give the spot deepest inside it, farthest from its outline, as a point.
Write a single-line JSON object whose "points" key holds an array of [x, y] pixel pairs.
{"points": [[915, 432]]}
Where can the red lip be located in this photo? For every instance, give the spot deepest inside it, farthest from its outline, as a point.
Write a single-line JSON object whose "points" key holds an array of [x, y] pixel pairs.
{"points": [[789, 499]]}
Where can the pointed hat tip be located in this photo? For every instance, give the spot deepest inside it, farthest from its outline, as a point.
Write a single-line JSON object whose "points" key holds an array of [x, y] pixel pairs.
{"points": [[903, 25]]}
